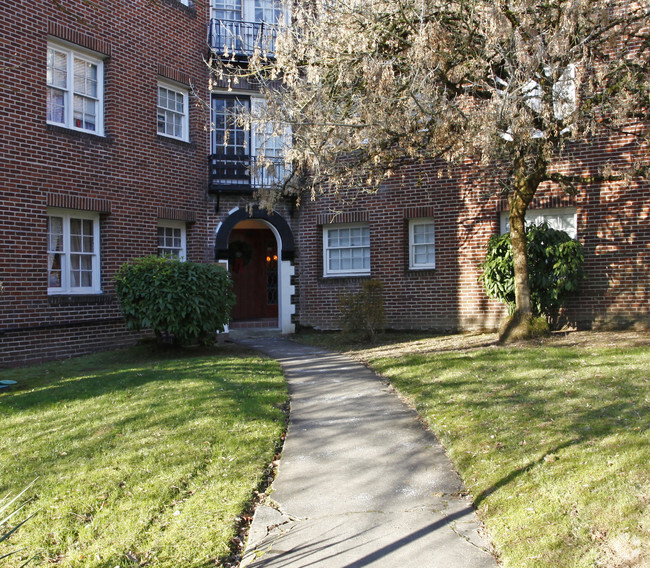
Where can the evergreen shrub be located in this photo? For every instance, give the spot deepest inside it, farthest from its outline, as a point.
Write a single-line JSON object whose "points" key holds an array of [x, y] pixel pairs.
{"points": [[182, 302], [555, 265]]}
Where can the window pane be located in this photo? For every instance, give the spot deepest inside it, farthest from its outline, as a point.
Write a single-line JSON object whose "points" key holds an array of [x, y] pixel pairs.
{"points": [[86, 262], [335, 260], [87, 278], [57, 68], [179, 103], [75, 272], [177, 125], [55, 233], [85, 78], [161, 123], [423, 233], [75, 226], [55, 105], [79, 76], [424, 254], [84, 113], [81, 235], [54, 270], [81, 271]]}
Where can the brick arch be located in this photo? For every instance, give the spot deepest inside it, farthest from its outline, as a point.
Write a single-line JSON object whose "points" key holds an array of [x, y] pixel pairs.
{"points": [[278, 222]]}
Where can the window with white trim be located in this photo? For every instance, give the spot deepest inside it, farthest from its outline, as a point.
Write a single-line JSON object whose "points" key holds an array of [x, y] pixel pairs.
{"points": [[561, 219], [422, 244], [72, 252], [75, 89], [172, 239], [270, 144], [346, 250], [173, 112]]}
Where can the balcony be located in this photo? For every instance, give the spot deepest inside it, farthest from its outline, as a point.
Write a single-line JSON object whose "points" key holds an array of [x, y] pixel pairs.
{"points": [[239, 40], [245, 174]]}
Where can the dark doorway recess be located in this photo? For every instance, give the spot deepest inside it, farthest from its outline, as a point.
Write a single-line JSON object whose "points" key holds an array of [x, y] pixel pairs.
{"points": [[253, 265]]}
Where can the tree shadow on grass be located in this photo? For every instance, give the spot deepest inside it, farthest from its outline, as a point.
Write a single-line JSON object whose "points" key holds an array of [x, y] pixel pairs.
{"points": [[61, 383], [513, 475], [573, 396]]}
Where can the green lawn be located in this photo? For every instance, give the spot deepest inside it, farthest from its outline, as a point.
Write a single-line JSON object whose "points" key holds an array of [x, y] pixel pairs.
{"points": [[142, 458], [552, 439]]}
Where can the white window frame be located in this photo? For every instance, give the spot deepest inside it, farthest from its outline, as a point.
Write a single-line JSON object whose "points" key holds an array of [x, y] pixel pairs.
{"points": [[166, 111], [68, 91], [269, 146], [65, 253], [548, 216], [327, 250], [413, 246], [167, 225], [249, 10]]}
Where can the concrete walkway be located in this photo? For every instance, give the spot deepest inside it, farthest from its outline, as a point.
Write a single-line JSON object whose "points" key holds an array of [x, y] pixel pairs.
{"points": [[360, 482]]}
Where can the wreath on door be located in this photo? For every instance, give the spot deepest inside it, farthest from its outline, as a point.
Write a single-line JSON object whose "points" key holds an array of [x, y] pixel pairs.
{"points": [[239, 255]]}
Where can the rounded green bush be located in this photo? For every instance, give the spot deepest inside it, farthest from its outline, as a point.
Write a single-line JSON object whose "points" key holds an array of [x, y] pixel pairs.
{"points": [[554, 263], [182, 302]]}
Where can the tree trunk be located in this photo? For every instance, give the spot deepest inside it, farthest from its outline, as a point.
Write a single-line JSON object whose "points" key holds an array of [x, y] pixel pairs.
{"points": [[525, 185], [518, 239]]}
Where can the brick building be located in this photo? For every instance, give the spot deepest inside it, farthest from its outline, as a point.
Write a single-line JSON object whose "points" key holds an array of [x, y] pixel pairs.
{"points": [[424, 235], [90, 172], [117, 142], [105, 149]]}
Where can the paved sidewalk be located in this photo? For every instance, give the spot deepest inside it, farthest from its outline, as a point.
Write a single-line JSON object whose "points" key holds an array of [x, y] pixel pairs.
{"points": [[360, 482]]}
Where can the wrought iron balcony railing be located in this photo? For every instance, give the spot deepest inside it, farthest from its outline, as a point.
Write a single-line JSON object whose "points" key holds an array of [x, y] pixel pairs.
{"points": [[232, 38], [245, 173]]}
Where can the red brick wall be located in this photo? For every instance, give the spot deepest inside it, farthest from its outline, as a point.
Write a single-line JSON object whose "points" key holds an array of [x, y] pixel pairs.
{"points": [[445, 298], [132, 175], [613, 225]]}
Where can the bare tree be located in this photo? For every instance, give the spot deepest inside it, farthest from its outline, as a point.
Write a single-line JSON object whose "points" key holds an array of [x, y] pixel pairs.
{"points": [[516, 84]]}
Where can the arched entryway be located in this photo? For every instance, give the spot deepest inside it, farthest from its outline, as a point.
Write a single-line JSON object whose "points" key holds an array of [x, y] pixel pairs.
{"points": [[253, 267], [259, 250]]}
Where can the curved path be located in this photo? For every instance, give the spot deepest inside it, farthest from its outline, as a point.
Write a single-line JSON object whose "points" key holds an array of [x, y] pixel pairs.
{"points": [[360, 481]]}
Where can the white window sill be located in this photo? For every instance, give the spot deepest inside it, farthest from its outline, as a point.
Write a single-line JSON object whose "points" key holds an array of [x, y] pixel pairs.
{"points": [[347, 275]]}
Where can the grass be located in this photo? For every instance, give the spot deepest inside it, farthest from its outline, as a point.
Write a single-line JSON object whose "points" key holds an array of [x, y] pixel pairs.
{"points": [[142, 458], [552, 439]]}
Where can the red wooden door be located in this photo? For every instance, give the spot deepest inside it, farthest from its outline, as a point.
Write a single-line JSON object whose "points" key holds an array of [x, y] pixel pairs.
{"points": [[253, 267]]}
